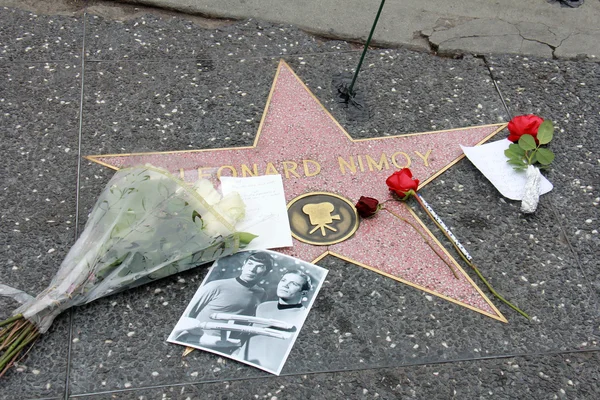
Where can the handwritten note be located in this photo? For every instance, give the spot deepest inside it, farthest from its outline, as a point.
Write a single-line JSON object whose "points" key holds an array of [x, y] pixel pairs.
{"points": [[266, 209], [491, 161]]}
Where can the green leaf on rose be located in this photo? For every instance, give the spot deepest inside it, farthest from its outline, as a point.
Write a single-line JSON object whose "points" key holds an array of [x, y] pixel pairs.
{"points": [[514, 148], [512, 153], [533, 159], [516, 163], [545, 156], [527, 142], [517, 157], [545, 132]]}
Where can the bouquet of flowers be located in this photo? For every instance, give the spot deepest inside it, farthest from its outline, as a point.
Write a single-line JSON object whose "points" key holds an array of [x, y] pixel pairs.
{"points": [[146, 225]]}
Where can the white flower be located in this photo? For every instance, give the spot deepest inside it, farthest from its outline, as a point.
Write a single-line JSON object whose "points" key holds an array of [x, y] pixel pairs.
{"points": [[206, 190], [230, 208]]}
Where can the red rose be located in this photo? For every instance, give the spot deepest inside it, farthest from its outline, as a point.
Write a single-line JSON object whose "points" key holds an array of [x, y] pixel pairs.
{"points": [[402, 183], [367, 206], [524, 125]]}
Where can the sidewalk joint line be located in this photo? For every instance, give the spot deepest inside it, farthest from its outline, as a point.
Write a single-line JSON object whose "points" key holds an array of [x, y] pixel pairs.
{"points": [[417, 364], [77, 192], [487, 65]]}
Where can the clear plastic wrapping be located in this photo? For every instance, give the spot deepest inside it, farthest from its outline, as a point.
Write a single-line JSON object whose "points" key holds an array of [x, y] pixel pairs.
{"points": [[145, 225]]}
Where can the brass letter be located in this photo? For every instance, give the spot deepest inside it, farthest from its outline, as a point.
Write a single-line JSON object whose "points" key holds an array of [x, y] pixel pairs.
{"points": [[424, 157], [317, 167], [382, 161], [202, 174], [344, 165], [246, 171], [360, 164], [271, 169], [405, 155], [292, 168], [231, 168]]}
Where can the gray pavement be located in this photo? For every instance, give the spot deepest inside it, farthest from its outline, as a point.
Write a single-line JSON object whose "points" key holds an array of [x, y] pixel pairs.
{"points": [[537, 27], [367, 336]]}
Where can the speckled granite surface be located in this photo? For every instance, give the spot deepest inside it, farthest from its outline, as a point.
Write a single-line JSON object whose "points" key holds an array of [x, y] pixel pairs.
{"points": [[157, 83]]}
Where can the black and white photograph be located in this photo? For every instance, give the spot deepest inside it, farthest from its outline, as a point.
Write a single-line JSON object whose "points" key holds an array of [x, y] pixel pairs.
{"points": [[251, 307]]}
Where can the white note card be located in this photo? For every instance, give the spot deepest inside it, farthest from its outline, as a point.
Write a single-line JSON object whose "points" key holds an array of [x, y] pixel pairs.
{"points": [[266, 210], [490, 160]]}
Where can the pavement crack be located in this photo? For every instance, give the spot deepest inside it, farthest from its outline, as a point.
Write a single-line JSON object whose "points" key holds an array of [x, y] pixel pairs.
{"points": [[560, 44], [536, 41], [432, 46], [525, 38]]}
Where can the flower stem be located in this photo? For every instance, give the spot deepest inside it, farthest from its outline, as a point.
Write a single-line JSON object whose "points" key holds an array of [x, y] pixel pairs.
{"points": [[11, 319], [8, 360], [8, 336], [469, 263], [22, 333], [508, 303], [424, 238]]}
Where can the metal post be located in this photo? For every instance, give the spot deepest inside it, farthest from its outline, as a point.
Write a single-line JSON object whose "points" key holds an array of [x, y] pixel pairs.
{"points": [[362, 57]]}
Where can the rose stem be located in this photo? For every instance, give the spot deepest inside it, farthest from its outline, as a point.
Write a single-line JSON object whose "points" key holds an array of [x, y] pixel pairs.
{"points": [[14, 349], [34, 335], [16, 328], [11, 319], [469, 263], [9, 358], [21, 335], [424, 238]]}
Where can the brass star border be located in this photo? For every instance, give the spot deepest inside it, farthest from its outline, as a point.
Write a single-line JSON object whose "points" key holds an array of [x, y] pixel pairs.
{"points": [[299, 139]]}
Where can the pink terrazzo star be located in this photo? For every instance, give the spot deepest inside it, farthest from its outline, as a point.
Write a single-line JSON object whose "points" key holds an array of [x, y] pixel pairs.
{"points": [[299, 139]]}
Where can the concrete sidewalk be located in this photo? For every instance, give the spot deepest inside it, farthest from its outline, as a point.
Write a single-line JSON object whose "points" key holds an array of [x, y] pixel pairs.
{"points": [[80, 78], [535, 27]]}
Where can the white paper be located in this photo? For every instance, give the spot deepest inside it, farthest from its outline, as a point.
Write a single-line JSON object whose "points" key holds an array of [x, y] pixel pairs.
{"points": [[491, 161], [266, 210]]}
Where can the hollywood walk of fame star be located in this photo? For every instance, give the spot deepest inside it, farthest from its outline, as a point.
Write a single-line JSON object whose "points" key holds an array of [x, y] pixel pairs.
{"points": [[299, 139]]}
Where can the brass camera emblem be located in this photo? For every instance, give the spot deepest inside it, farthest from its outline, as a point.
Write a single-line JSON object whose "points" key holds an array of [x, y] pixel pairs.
{"points": [[321, 218]]}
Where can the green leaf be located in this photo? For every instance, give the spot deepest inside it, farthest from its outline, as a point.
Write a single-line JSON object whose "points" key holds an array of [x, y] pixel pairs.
{"points": [[545, 132], [115, 189], [516, 158], [176, 205], [163, 190], [545, 156], [245, 238], [515, 149], [195, 215], [533, 158], [510, 154], [516, 163], [104, 205], [527, 142]]}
